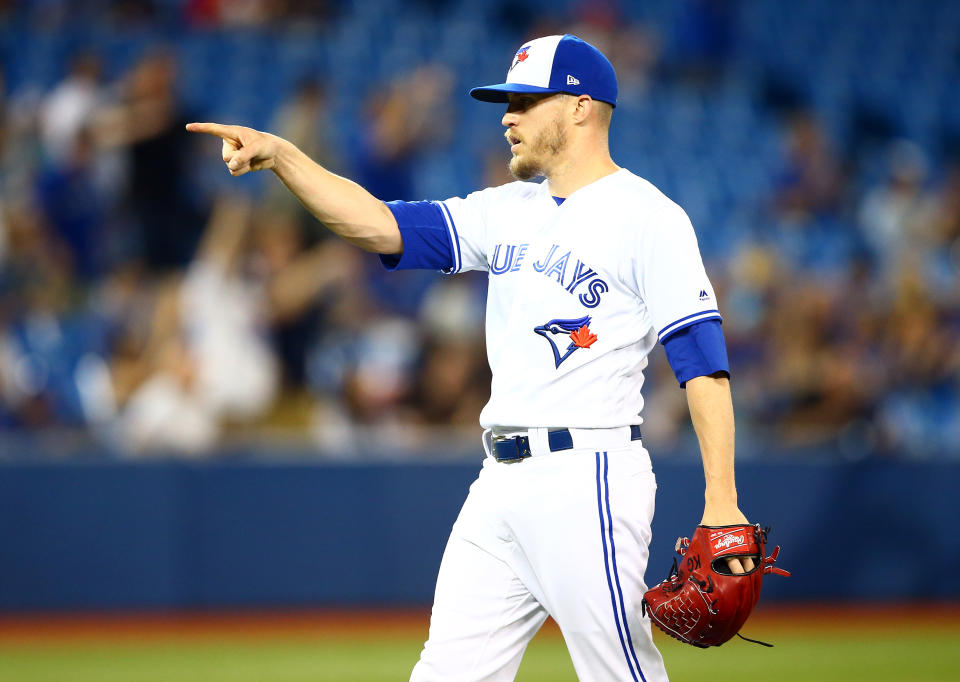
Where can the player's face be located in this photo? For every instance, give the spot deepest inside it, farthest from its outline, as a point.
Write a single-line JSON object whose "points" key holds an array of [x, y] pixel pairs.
{"points": [[536, 133]]}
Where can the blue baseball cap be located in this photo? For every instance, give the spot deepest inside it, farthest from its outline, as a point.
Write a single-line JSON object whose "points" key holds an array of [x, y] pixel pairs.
{"points": [[556, 64]]}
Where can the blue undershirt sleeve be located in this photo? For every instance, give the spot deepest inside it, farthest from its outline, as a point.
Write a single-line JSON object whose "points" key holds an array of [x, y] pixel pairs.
{"points": [[696, 351], [426, 238]]}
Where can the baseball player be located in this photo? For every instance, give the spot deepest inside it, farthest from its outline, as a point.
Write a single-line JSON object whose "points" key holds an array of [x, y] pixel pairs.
{"points": [[587, 271]]}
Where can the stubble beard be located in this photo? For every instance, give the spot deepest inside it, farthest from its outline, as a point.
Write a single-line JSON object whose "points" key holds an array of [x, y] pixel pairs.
{"points": [[535, 161]]}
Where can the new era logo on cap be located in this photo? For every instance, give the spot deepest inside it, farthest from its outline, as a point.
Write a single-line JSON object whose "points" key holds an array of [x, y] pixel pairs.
{"points": [[548, 65]]}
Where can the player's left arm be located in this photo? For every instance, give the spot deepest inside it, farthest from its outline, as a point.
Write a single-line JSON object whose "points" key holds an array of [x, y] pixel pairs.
{"points": [[711, 411], [683, 308]]}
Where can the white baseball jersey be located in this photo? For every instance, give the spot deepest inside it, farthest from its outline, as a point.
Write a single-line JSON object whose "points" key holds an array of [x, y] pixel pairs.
{"points": [[578, 294]]}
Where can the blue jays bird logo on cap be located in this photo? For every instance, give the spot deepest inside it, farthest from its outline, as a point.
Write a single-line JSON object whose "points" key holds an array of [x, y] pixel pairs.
{"points": [[578, 331], [521, 56]]}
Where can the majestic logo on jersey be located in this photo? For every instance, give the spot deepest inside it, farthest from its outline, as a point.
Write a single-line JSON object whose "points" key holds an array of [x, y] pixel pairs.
{"points": [[577, 330], [704, 295], [521, 56], [561, 266]]}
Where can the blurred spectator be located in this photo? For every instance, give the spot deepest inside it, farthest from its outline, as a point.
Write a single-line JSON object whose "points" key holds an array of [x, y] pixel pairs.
{"points": [[454, 379], [303, 283], [814, 385], [364, 373], [149, 123], [35, 291], [68, 109], [72, 203], [21, 152], [224, 318], [405, 119], [921, 399], [159, 408], [204, 359], [897, 217], [810, 182]]}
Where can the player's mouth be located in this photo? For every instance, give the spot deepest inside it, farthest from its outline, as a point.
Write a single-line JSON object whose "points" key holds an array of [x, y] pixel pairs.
{"points": [[514, 142]]}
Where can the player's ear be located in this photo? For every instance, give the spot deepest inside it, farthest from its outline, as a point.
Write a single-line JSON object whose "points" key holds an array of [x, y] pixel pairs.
{"points": [[583, 106]]}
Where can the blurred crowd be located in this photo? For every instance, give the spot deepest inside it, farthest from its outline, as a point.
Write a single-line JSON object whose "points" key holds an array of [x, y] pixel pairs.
{"points": [[147, 308], [157, 318]]}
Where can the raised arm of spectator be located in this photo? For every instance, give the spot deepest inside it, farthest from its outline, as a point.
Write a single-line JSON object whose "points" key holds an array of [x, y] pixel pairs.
{"points": [[342, 205]]}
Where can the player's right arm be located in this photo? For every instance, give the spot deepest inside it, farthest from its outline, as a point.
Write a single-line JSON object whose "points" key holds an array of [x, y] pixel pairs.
{"points": [[345, 207]]}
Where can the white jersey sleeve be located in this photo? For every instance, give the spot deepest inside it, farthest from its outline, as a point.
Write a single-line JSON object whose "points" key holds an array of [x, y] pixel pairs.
{"points": [[467, 221], [478, 221], [670, 275]]}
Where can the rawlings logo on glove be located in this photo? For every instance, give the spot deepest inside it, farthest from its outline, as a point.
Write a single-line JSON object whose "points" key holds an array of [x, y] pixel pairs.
{"points": [[702, 602], [728, 541]]}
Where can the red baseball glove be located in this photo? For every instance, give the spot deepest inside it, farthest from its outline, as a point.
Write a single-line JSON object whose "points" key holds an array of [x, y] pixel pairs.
{"points": [[701, 602]]}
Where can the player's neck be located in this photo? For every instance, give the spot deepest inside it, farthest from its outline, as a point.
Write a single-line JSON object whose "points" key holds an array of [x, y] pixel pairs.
{"points": [[578, 171]]}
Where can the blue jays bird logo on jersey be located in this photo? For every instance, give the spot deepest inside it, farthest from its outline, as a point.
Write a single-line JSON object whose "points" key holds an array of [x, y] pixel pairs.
{"points": [[577, 330]]}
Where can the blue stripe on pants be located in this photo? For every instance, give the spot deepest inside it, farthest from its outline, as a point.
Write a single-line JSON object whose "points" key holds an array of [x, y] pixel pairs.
{"points": [[616, 575], [606, 565]]}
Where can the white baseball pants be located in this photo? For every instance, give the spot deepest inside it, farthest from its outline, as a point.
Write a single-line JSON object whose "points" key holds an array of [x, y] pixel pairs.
{"points": [[564, 534]]}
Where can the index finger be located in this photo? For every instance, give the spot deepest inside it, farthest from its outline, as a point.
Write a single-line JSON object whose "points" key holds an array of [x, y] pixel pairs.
{"points": [[222, 131]]}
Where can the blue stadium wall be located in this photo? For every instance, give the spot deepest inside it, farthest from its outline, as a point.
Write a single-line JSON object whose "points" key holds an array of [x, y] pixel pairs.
{"points": [[172, 535]]}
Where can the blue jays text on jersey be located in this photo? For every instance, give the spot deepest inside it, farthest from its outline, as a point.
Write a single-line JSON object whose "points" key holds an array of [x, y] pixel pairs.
{"points": [[508, 258]]}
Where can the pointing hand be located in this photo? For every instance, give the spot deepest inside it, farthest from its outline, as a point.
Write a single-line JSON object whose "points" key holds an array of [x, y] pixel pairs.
{"points": [[244, 149]]}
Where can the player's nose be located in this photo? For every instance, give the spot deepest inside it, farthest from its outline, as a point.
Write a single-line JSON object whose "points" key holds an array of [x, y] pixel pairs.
{"points": [[509, 119]]}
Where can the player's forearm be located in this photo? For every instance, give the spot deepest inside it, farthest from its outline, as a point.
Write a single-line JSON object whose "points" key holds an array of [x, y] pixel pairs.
{"points": [[711, 410], [345, 207]]}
